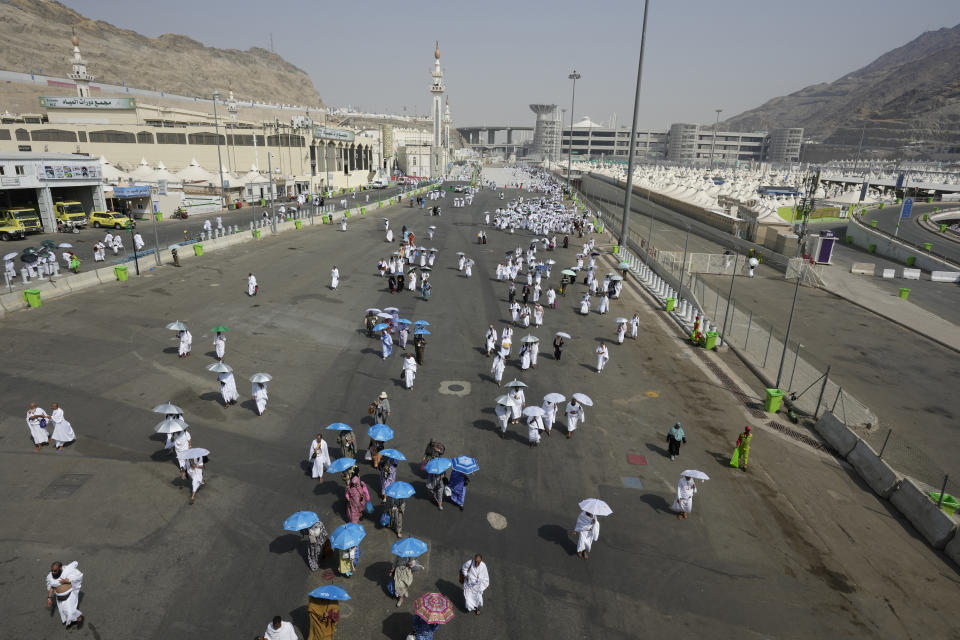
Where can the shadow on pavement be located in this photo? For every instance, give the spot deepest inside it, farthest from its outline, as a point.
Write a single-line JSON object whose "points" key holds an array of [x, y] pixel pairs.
{"points": [[286, 543], [377, 573], [396, 625], [212, 396], [723, 459], [558, 535], [301, 620], [658, 450], [656, 502], [173, 350], [250, 405], [453, 592]]}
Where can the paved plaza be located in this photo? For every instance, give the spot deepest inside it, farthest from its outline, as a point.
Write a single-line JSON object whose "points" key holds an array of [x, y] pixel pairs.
{"points": [[796, 548]]}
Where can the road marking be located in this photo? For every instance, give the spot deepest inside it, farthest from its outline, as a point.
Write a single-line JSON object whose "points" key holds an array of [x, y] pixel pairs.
{"points": [[497, 521], [632, 483], [652, 394]]}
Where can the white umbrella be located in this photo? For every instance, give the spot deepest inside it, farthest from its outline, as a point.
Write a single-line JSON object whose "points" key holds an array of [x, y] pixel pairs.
{"points": [[384, 315], [261, 377], [693, 473], [11, 256], [374, 311], [506, 400], [551, 261], [529, 338], [169, 425], [583, 398], [563, 334], [621, 321], [65, 245], [195, 453], [177, 326], [391, 310], [168, 408], [460, 253], [554, 397], [596, 506], [515, 383], [534, 411], [219, 367]]}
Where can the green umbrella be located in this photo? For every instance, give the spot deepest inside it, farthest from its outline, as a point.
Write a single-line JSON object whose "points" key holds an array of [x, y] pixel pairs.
{"points": [[568, 272], [220, 329], [29, 250]]}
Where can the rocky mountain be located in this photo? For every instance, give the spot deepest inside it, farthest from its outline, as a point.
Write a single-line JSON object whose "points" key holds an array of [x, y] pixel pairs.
{"points": [[36, 35], [907, 98]]}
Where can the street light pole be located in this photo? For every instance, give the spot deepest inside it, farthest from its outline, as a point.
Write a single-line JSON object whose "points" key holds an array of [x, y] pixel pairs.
{"points": [[631, 154], [714, 144], [573, 97], [216, 128]]}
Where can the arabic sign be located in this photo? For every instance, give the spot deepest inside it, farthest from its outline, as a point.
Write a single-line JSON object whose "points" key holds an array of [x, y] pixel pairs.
{"points": [[327, 133], [139, 191], [62, 171], [73, 102]]}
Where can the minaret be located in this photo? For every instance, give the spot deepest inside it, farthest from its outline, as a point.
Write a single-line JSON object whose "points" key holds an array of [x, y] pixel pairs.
{"points": [[437, 157], [446, 127], [80, 75], [232, 105]]}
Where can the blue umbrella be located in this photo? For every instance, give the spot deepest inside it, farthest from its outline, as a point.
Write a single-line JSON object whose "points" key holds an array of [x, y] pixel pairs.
{"points": [[438, 465], [421, 323], [380, 432], [347, 535], [339, 426], [403, 321], [421, 332], [301, 520], [399, 490], [341, 464], [393, 453], [465, 464], [329, 592], [409, 548], [381, 326]]}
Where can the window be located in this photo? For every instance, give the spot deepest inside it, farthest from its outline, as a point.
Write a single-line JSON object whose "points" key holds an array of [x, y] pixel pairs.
{"points": [[144, 137], [54, 135], [171, 138], [113, 136], [81, 136], [4, 134], [205, 138], [2, 170], [19, 169], [23, 134]]}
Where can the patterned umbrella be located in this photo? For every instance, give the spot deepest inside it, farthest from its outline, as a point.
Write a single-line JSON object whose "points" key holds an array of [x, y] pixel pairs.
{"points": [[434, 608], [465, 464]]}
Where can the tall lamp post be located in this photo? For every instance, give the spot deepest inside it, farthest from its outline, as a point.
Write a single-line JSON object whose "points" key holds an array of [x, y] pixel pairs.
{"points": [[631, 154], [573, 76], [216, 128], [714, 144]]}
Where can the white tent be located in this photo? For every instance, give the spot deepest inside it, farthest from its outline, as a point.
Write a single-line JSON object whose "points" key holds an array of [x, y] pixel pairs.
{"points": [[111, 174], [143, 173], [195, 174], [161, 173]]}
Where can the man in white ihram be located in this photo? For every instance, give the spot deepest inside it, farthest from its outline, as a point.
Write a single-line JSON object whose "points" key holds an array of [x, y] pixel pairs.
{"points": [[280, 629], [251, 285], [63, 587], [475, 579], [318, 456], [62, 430]]}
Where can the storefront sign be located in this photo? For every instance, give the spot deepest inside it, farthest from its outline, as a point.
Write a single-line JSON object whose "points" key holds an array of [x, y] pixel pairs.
{"points": [[10, 181], [74, 102], [325, 133], [63, 171], [139, 191]]}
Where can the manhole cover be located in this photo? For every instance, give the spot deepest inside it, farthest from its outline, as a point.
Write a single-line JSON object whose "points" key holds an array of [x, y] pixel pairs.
{"points": [[459, 388], [497, 521], [64, 486], [455, 387]]}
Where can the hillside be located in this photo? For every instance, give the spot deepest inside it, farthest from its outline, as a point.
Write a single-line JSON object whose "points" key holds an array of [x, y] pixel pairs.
{"points": [[907, 96], [171, 63]]}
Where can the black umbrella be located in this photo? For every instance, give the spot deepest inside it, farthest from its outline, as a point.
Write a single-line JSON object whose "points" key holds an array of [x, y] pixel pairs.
{"points": [[29, 258]]}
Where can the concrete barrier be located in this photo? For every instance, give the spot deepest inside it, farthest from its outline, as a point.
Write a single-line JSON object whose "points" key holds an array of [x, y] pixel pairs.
{"points": [[911, 274], [874, 471], [13, 301], [50, 290], [953, 549], [889, 273], [107, 276], [863, 268], [81, 281], [922, 512], [945, 276], [837, 434]]}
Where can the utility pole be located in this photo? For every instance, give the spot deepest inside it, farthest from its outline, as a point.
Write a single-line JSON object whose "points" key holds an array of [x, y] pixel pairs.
{"points": [[216, 128], [631, 154], [714, 144], [573, 97]]}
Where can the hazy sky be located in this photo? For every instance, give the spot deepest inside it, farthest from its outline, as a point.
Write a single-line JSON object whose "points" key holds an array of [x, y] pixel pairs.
{"points": [[501, 56]]}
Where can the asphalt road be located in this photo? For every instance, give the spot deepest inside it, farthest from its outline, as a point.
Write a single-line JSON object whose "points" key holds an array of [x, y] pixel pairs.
{"points": [[910, 229], [791, 549]]}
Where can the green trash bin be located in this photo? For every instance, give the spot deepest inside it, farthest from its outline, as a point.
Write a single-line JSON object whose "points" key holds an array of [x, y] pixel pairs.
{"points": [[346, 214], [256, 233], [198, 249], [950, 504], [904, 293], [32, 296], [943, 228], [926, 217], [121, 272], [927, 246], [711, 340], [298, 224], [774, 398], [872, 248], [326, 218], [873, 223], [671, 304], [363, 211], [911, 260], [616, 249], [158, 215]]}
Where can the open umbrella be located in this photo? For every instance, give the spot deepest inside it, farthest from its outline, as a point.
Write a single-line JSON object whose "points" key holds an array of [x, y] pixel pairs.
{"points": [[219, 367], [399, 490], [461, 253], [341, 464], [167, 408], [563, 334], [621, 321], [169, 425], [347, 535], [403, 321], [697, 475], [384, 314], [529, 338], [421, 323], [11, 255], [432, 227], [506, 400], [433, 249], [515, 383], [29, 258], [616, 278], [380, 433], [421, 332], [624, 264], [551, 261], [27, 250], [438, 465], [569, 272], [426, 269], [374, 311], [220, 329], [393, 454], [381, 326], [536, 412], [554, 397], [195, 453], [329, 592], [596, 506], [339, 426], [409, 548], [177, 326], [583, 398], [434, 608], [300, 520], [465, 464], [391, 310], [261, 377], [65, 245]]}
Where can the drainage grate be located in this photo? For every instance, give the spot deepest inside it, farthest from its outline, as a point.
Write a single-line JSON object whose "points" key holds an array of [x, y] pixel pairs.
{"points": [[796, 435], [64, 486]]}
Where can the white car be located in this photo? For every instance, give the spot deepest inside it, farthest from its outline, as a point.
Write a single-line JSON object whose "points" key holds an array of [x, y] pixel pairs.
{"points": [[379, 184]]}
